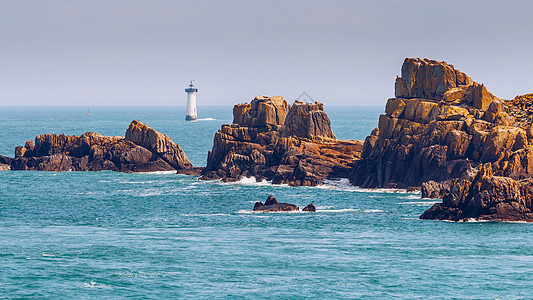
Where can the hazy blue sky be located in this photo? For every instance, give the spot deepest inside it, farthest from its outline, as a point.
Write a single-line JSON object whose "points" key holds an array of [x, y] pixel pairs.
{"points": [[128, 52]]}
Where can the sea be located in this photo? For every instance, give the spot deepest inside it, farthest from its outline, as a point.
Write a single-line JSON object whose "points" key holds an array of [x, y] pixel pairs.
{"points": [[93, 235]]}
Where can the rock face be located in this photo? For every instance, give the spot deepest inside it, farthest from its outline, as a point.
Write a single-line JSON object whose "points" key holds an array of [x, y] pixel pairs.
{"points": [[158, 143], [5, 163], [271, 140], [479, 195], [440, 124], [142, 150], [271, 204], [307, 120]]}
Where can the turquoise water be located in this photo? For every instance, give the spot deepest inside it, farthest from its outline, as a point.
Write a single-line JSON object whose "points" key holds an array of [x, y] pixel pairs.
{"points": [[162, 235]]}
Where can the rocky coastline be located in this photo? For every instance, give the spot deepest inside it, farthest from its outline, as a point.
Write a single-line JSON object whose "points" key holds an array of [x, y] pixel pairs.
{"points": [[142, 149], [442, 133]]}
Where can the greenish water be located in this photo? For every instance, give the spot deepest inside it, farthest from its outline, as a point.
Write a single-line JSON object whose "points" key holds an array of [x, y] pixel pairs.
{"points": [[162, 235]]}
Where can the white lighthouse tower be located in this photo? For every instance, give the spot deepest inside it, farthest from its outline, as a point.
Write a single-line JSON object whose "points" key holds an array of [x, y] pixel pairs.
{"points": [[191, 103]]}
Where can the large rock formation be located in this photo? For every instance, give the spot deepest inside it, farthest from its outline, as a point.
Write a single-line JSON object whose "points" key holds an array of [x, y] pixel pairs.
{"points": [[479, 195], [441, 124], [271, 140], [142, 150]]}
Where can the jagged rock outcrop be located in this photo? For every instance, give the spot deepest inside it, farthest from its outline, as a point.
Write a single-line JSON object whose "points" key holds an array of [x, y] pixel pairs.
{"points": [[142, 150], [158, 143], [272, 140], [307, 120], [521, 108], [272, 204], [479, 195], [440, 124]]}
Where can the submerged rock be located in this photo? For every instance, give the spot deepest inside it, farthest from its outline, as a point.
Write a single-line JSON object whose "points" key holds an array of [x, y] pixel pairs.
{"points": [[309, 207], [271, 204], [272, 140], [142, 150]]}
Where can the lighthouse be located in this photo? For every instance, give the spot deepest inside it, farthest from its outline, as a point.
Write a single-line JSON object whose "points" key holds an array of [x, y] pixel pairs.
{"points": [[191, 103]]}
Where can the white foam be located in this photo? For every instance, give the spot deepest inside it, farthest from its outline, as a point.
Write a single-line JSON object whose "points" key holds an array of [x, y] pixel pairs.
{"points": [[93, 284], [343, 184], [473, 220], [206, 119], [48, 255], [203, 215], [90, 193], [341, 210], [419, 203], [411, 197], [159, 172], [324, 207], [137, 182], [251, 181], [150, 193]]}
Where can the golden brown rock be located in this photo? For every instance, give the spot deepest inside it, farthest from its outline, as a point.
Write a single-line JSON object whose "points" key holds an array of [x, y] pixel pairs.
{"points": [[94, 152], [480, 195], [158, 143], [307, 120], [454, 95], [301, 151], [440, 124], [394, 107], [428, 79], [262, 111]]}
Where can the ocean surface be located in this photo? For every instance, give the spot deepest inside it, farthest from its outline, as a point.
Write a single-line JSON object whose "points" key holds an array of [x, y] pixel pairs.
{"points": [[91, 235]]}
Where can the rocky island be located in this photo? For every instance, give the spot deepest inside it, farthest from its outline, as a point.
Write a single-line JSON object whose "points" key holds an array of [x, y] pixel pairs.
{"points": [[270, 139], [272, 205], [451, 136], [142, 149]]}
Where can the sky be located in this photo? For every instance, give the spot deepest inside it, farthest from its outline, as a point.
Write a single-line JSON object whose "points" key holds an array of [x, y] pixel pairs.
{"points": [[131, 52]]}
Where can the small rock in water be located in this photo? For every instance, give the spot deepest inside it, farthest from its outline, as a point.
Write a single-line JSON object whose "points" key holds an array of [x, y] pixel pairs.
{"points": [[272, 204], [310, 207]]}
